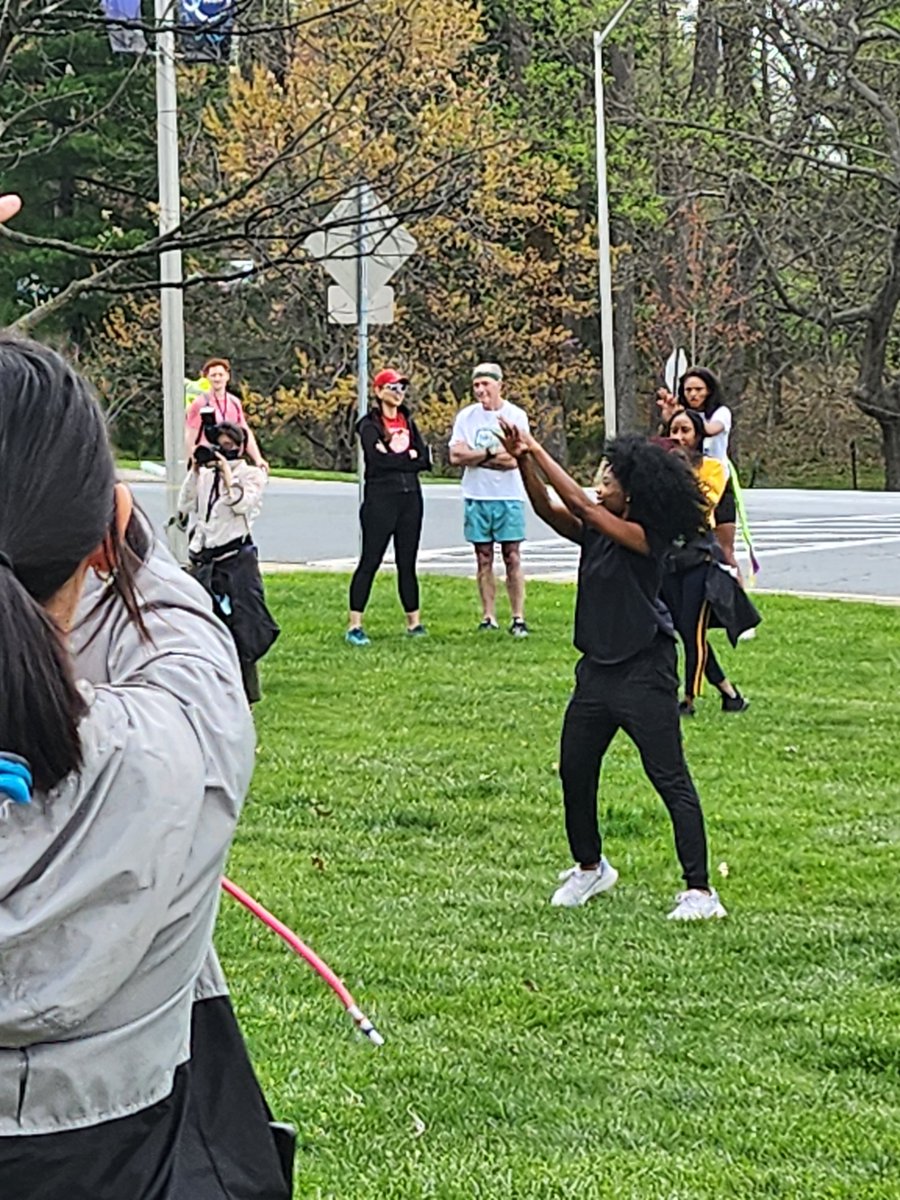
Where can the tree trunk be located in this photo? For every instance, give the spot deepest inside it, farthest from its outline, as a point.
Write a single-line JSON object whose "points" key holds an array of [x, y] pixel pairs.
{"points": [[736, 23], [517, 38], [874, 394], [630, 420], [706, 52], [890, 444]]}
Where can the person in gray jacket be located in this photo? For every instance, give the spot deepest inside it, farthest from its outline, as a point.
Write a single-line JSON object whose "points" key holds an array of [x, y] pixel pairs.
{"points": [[109, 876]]}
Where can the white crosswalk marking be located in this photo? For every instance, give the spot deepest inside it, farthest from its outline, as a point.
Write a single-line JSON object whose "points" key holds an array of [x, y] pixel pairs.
{"points": [[554, 558]]}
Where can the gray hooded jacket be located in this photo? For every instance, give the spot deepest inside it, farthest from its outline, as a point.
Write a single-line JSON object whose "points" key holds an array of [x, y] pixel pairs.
{"points": [[109, 884]]}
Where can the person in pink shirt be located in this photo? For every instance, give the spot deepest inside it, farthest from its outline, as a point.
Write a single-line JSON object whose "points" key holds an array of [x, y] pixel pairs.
{"points": [[225, 405]]}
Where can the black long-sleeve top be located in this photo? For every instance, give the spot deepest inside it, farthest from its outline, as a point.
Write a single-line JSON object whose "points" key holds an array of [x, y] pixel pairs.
{"points": [[386, 469]]}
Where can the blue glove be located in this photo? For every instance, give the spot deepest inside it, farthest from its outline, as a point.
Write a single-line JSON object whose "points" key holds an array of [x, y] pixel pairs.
{"points": [[15, 778]]}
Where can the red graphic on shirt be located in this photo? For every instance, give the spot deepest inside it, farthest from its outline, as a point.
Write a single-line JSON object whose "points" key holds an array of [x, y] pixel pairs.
{"points": [[397, 433]]}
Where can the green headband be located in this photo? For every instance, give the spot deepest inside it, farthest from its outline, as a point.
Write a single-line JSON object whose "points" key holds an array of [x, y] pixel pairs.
{"points": [[488, 371]]}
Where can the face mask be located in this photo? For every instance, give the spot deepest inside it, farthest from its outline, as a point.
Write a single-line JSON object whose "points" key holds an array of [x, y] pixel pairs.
{"points": [[230, 455]]}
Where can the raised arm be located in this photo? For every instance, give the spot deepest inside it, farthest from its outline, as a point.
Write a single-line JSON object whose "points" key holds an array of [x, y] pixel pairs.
{"points": [[547, 507], [590, 513]]}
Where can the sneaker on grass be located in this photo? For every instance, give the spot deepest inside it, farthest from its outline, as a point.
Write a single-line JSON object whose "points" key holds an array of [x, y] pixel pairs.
{"points": [[356, 637], [488, 624], [694, 905], [417, 631], [578, 886]]}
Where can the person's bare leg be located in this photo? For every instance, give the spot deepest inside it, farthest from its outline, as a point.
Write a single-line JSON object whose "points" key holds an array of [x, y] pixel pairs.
{"points": [[487, 588], [515, 579], [725, 538], [413, 619]]}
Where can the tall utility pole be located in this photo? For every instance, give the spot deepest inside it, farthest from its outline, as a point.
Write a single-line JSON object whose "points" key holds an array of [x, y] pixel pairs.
{"points": [[607, 347], [363, 203], [171, 299]]}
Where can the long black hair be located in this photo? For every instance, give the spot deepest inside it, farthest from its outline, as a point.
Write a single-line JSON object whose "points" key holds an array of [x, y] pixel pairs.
{"points": [[57, 506], [662, 490], [696, 419], [714, 388]]}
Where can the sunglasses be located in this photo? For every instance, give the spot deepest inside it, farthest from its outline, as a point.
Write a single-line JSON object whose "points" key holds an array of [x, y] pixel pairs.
{"points": [[395, 387]]}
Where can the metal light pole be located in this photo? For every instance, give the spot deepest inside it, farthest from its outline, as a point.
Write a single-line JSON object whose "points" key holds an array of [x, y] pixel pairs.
{"points": [[170, 269], [607, 348], [363, 202]]}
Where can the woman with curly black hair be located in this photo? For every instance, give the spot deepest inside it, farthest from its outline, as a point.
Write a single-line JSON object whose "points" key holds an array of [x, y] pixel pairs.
{"points": [[626, 678], [700, 391]]}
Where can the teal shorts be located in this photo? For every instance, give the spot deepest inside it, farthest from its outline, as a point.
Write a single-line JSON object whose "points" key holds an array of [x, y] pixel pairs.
{"points": [[494, 520]]}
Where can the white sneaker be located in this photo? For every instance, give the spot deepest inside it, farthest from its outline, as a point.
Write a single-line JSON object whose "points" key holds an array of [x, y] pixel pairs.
{"points": [[578, 886], [694, 905]]}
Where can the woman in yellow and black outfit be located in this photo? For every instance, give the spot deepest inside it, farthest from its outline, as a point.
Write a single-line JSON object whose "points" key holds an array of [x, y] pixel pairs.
{"points": [[685, 585]]}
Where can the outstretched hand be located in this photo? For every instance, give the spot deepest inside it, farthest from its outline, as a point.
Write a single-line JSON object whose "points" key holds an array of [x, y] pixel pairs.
{"points": [[667, 403], [9, 206], [515, 441]]}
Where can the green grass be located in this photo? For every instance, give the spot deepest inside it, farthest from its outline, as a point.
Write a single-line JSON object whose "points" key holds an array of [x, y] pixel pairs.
{"points": [[815, 476], [133, 464], [405, 819], [824, 476]]}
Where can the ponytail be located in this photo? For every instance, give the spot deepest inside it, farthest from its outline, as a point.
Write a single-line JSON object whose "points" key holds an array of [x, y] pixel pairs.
{"points": [[40, 705], [57, 507]]}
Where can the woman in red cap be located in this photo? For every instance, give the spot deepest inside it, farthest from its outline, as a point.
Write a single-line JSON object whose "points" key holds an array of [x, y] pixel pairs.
{"points": [[394, 455]]}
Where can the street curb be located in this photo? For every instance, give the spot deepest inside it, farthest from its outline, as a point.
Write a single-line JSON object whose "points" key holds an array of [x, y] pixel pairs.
{"points": [[281, 568]]}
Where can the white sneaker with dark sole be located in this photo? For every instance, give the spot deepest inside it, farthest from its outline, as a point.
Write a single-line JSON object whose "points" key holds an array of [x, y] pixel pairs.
{"points": [[694, 905], [579, 886]]}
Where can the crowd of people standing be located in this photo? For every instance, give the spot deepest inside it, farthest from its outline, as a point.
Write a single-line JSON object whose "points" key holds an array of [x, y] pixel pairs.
{"points": [[127, 744]]}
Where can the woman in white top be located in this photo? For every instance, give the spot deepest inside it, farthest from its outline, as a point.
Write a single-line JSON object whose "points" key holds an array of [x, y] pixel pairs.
{"points": [[700, 390], [223, 494], [110, 869]]}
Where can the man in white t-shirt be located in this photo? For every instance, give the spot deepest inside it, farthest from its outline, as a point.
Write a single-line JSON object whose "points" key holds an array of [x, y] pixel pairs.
{"points": [[493, 493]]}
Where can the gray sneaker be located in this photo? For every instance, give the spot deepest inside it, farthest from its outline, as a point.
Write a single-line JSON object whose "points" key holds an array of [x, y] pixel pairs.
{"points": [[579, 886], [694, 905], [518, 628]]}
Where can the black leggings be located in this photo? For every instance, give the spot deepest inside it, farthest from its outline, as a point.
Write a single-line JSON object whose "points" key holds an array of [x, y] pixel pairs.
{"points": [[641, 697], [685, 595], [397, 515]]}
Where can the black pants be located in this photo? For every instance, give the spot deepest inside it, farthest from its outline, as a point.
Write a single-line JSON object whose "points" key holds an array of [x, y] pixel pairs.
{"points": [[130, 1157], [641, 697], [396, 515], [210, 1139], [685, 595], [229, 1149]]}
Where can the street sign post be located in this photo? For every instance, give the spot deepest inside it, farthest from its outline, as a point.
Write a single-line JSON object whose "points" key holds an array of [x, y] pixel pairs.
{"points": [[361, 245]]}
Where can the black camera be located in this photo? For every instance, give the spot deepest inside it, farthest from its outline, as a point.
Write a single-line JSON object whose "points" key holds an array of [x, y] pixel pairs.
{"points": [[204, 456], [207, 418]]}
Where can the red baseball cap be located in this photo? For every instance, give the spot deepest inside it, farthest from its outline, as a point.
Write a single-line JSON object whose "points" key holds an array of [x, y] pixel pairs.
{"points": [[388, 375]]}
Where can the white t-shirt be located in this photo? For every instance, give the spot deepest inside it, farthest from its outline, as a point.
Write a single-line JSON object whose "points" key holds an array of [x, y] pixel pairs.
{"points": [[479, 428], [717, 445]]}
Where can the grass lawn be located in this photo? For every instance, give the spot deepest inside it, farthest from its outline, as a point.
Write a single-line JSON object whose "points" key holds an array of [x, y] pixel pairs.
{"points": [[405, 818], [133, 464]]}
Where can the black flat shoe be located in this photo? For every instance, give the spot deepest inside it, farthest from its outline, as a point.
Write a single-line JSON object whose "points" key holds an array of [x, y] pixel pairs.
{"points": [[735, 703]]}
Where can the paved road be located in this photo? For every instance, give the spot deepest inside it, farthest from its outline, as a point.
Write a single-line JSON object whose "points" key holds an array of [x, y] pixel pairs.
{"points": [[808, 541]]}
